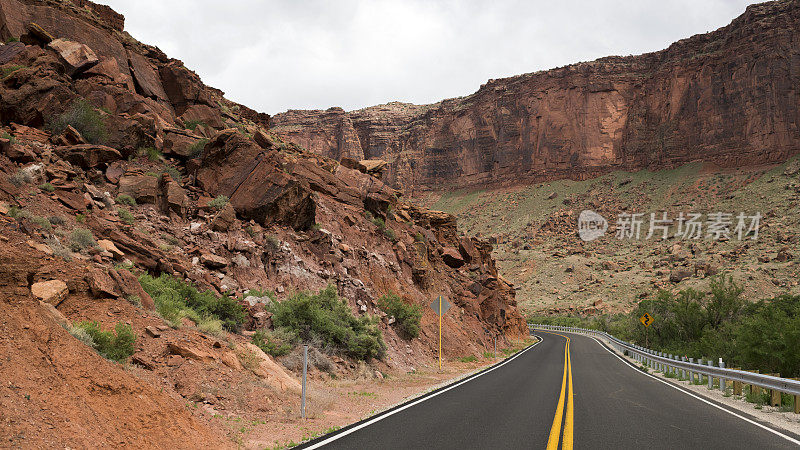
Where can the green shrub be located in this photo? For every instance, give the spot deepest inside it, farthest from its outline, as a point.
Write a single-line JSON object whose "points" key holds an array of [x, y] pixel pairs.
{"points": [[389, 233], [12, 39], [14, 212], [83, 117], [117, 346], [327, 318], [47, 187], [468, 359], [219, 202], [43, 223], [80, 218], [407, 316], [126, 216], [197, 148], [275, 343], [150, 153], [58, 249], [81, 239], [175, 299], [192, 124], [20, 177], [379, 223], [56, 220], [126, 199], [8, 70], [173, 172]]}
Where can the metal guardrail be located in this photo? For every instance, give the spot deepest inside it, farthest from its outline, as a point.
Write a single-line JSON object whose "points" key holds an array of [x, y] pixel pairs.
{"points": [[683, 366]]}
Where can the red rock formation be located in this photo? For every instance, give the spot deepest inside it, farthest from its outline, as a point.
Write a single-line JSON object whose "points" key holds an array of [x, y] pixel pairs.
{"points": [[729, 97]]}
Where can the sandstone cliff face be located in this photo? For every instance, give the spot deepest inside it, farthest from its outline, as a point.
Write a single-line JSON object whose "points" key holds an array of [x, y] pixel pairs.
{"points": [[729, 97]]}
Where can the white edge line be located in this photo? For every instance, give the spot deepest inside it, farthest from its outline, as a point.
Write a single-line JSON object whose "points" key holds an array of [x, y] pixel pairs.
{"points": [[788, 438], [428, 397]]}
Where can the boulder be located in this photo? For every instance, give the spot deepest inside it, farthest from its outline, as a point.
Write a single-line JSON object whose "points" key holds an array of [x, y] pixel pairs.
{"points": [[52, 291], [143, 188], [16, 151], [204, 114], [75, 56], [109, 246], [213, 261], [452, 257], [10, 51], [109, 69], [179, 142], [190, 351], [172, 197], [44, 248], [129, 285], [88, 155], [678, 275], [147, 79], [224, 219], [256, 182], [271, 371], [230, 360], [101, 284]]}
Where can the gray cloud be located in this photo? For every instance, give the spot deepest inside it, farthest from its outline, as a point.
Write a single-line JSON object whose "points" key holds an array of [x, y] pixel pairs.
{"points": [[277, 55]]}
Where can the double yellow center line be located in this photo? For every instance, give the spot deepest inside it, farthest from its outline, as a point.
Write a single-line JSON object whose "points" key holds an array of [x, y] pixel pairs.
{"points": [[566, 388]]}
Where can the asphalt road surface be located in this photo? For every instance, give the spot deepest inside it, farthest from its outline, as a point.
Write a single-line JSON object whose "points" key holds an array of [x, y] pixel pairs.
{"points": [[526, 403]]}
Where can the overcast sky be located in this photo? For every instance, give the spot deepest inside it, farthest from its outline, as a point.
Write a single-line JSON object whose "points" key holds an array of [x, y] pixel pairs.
{"points": [[310, 54]]}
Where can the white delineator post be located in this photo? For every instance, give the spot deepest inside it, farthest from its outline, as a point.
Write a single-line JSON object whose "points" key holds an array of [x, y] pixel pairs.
{"points": [[305, 371]]}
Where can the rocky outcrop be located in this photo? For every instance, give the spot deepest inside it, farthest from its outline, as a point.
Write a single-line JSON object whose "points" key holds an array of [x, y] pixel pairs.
{"points": [[728, 97]]}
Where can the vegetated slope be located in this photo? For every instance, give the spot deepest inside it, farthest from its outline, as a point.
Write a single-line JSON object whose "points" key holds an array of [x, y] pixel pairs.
{"points": [[118, 162], [539, 250], [57, 392], [727, 97]]}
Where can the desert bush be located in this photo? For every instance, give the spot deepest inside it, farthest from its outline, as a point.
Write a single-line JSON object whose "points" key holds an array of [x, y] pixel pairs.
{"points": [[219, 202], [81, 239], [197, 148], [380, 223], [407, 316], [20, 178], [59, 250], [56, 220], [83, 117], [47, 187], [81, 335], [126, 199], [151, 153], [192, 124], [8, 70], [176, 299], [43, 223], [389, 233], [12, 39], [126, 216], [115, 345], [326, 317], [468, 359], [275, 343], [80, 218], [173, 172]]}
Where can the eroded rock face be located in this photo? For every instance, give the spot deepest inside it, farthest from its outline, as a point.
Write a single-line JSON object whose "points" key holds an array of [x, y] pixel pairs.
{"points": [[700, 99]]}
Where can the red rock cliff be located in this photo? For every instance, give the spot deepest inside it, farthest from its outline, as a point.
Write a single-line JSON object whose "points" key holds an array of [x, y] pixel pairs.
{"points": [[728, 97]]}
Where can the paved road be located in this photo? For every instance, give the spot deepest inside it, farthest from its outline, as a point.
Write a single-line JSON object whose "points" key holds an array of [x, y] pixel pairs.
{"points": [[525, 403]]}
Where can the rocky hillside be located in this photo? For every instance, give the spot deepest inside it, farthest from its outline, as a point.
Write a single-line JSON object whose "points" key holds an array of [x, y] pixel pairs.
{"points": [[118, 162], [729, 97]]}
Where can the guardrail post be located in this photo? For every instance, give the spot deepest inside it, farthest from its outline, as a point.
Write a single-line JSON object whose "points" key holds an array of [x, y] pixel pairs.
{"points": [[796, 401], [683, 371], [710, 378], [722, 382], [691, 374], [775, 395], [671, 368], [737, 385]]}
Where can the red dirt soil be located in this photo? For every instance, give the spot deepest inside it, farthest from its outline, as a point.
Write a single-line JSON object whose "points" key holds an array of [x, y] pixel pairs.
{"points": [[55, 391]]}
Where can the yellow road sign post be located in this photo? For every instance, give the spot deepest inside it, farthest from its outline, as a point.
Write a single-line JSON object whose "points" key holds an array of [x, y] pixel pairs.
{"points": [[440, 306], [646, 320]]}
